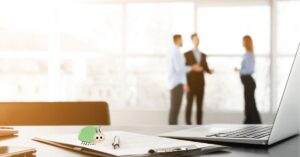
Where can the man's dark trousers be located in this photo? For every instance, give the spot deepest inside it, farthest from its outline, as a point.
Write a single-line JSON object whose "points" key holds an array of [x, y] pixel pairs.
{"points": [[176, 99], [199, 101]]}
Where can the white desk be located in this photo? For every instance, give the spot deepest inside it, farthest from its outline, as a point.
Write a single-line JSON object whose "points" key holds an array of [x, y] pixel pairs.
{"points": [[288, 148]]}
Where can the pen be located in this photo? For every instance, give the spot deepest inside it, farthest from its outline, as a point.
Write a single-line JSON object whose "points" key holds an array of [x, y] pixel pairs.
{"points": [[116, 142], [173, 149]]}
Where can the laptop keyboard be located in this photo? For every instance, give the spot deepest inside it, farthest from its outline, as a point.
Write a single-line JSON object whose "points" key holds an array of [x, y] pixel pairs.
{"points": [[255, 132]]}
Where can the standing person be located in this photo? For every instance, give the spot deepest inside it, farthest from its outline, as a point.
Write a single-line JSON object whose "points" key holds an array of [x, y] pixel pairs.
{"points": [[195, 79], [177, 78], [247, 69]]}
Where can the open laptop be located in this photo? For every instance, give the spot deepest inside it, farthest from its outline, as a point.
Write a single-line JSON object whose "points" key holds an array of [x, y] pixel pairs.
{"points": [[286, 123]]}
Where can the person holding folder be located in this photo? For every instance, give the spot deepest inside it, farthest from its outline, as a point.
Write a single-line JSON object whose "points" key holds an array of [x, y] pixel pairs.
{"points": [[195, 79], [177, 78], [246, 71]]}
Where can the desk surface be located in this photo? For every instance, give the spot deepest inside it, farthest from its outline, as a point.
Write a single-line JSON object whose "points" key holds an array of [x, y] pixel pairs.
{"points": [[287, 148]]}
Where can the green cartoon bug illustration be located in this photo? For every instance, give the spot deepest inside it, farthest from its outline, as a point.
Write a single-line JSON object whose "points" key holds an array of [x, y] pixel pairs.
{"points": [[90, 135]]}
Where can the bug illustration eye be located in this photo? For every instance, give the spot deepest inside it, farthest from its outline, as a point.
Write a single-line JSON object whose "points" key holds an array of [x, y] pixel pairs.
{"points": [[99, 137]]}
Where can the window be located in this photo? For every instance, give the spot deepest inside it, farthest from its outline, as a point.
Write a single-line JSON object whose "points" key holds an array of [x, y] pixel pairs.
{"points": [[23, 79], [24, 27], [149, 31], [288, 27], [150, 26], [287, 41], [221, 29], [117, 50], [90, 27], [224, 90]]}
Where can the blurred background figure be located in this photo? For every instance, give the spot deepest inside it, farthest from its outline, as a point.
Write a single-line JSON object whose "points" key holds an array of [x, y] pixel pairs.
{"points": [[246, 71], [196, 79], [177, 79]]}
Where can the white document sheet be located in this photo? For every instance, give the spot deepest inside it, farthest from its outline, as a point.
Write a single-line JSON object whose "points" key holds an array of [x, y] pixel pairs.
{"points": [[130, 143]]}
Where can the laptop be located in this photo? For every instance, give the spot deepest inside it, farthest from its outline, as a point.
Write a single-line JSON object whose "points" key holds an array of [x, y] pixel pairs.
{"points": [[286, 123]]}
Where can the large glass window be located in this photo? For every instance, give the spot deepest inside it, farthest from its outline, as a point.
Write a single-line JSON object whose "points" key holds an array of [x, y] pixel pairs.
{"points": [[90, 27], [221, 29], [224, 90], [288, 39], [24, 29], [24, 25], [117, 50], [150, 26], [149, 31]]}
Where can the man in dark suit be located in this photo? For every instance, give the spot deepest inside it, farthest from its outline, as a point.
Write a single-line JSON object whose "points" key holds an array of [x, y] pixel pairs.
{"points": [[195, 79]]}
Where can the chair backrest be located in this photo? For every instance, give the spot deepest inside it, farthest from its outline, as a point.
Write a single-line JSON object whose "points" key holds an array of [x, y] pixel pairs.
{"points": [[54, 113]]}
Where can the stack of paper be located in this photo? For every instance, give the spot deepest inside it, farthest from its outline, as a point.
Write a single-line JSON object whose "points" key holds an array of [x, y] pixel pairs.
{"points": [[7, 131]]}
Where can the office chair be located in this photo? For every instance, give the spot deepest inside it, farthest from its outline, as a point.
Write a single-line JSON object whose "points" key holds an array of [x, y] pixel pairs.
{"points": [[54, 113]]}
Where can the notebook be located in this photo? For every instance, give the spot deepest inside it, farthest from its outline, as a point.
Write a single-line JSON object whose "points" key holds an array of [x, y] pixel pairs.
{"points": [[8, 151], [7, 131], [131, 144]]}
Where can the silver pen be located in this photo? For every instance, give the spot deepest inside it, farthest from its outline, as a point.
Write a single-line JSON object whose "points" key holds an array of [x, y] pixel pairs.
{"points": [[116, 142]]}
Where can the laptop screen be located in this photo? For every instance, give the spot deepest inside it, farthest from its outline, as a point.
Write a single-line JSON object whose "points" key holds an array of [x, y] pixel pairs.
{"points": [[287, 119]]}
